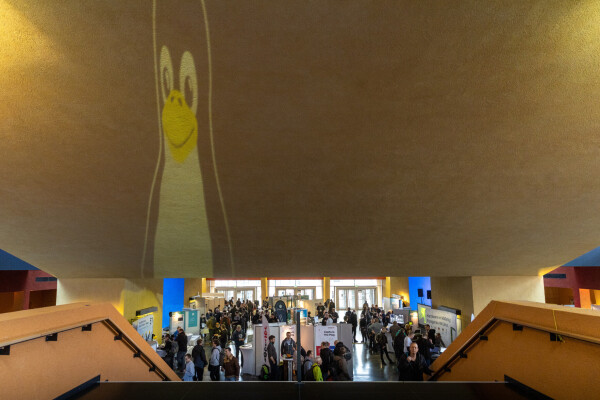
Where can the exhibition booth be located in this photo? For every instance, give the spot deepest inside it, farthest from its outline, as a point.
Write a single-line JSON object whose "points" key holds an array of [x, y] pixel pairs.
{"points": [[311, 337]]}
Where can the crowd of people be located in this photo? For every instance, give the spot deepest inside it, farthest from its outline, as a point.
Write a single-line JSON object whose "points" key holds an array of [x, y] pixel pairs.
{"points": [[411, 350]]}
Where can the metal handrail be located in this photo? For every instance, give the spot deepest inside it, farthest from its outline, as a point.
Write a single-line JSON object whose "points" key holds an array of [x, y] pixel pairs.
{"points": [[112, 326], [488, 325]]}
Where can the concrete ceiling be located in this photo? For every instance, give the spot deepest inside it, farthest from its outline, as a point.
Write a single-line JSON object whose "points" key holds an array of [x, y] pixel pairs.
{"points": [[336, 138]]}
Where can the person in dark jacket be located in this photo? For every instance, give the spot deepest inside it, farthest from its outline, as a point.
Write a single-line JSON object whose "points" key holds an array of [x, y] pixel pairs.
{"points": [[238, 340], [327, 360], [273, 362], [339, 363], [182, 341], [199, 357], [425, 347], [354, 322], [412, 366], [382, 342]]}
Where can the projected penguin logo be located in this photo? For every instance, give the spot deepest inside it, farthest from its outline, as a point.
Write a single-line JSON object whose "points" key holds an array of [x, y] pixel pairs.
{"points": [[182, 237]]}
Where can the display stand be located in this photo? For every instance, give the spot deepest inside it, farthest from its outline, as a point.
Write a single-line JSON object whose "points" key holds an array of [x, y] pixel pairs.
{"points": [[249, 366]]}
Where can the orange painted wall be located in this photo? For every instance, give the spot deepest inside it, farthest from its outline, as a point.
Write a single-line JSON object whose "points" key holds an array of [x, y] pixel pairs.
{"points": [[561, 370], [585, 298]]}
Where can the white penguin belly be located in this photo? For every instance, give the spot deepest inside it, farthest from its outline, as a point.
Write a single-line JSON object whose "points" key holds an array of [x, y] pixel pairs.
{"points": [[182, 245]]}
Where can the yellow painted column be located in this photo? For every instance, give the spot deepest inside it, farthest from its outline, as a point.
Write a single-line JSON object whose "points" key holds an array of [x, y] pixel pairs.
{"points": [[387, 287], [326, 290], [264, 288], [204, 287]]}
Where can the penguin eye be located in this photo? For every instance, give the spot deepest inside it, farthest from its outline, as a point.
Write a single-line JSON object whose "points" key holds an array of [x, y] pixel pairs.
{"points": [[166, 73], [188, 90], [189, 81]]}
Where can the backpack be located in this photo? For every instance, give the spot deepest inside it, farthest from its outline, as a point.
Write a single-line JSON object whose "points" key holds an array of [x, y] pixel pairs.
{"points": [[263, 374], [221, 358], [310, 376], [174, 347]]}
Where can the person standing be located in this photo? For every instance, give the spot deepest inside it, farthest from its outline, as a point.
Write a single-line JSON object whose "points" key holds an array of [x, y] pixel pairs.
{"points": [[314, 372], [199, 358], [238, 340], [320, 310], [288, 346], [327, 357], [339, 362], [231, 366], [213, 365], [354, 323], [408, 340], [412, 366], [182, 341], [272, 355], [373, 331], [188, 376], [307, 363]]}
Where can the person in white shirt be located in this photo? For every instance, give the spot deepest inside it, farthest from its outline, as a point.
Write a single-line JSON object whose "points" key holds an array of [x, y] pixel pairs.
{"points": [[408, 341]]}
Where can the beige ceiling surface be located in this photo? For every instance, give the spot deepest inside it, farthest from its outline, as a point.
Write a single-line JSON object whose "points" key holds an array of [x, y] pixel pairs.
{"points": [[336, 138]]}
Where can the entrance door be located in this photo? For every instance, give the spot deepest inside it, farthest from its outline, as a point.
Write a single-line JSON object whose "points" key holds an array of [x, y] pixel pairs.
{"points": [[346, 297], [228, 293], [354, 297], [366, 295], [245, 294]]}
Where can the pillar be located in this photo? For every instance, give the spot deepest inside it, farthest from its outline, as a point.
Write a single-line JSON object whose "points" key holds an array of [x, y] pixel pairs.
{"points": [[264, 289], [326, 290]]}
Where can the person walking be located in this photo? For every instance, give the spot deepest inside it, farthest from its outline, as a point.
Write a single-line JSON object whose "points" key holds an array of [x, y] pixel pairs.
{"points": [[231, 366], [215, 357], [382, 343], [199, 358]]}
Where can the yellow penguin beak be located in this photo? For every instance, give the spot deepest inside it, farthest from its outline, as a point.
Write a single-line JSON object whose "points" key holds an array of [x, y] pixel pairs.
{"points": [[179, 125]]}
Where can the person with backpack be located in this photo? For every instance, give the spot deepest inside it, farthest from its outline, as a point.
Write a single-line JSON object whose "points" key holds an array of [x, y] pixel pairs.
{"points": [[382, 343], [308, 362], [173, 352], [339, 363], [398, 342], [214, 365], [327, 358], [314, 372], [199, 358]]}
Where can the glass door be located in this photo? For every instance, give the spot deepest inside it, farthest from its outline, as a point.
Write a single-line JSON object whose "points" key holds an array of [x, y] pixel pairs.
{"points": [[245, 294], [228, 293], [346, 297], [285, 292], [366, 295], [306, 292]]}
